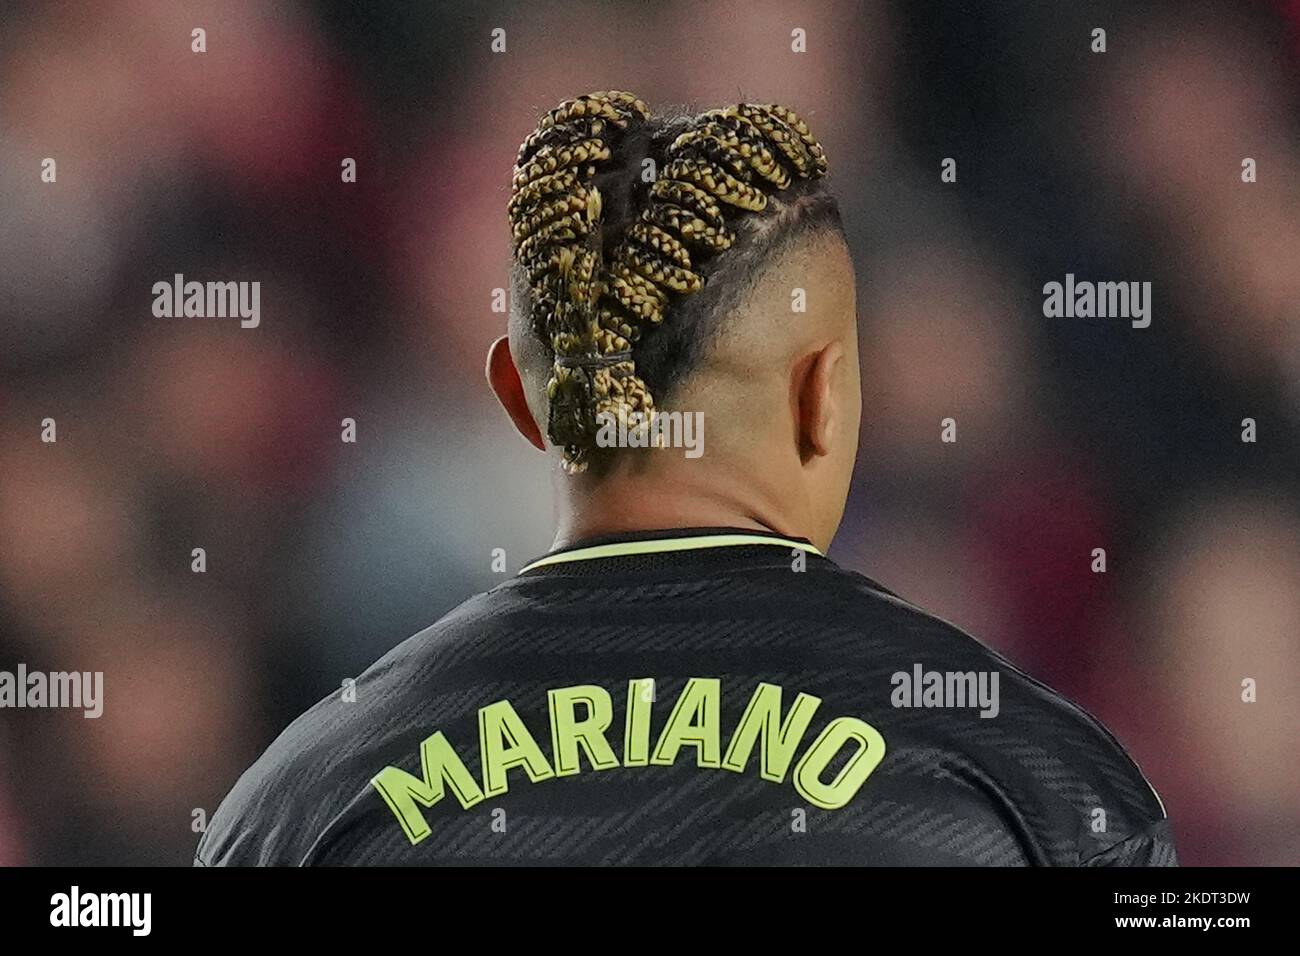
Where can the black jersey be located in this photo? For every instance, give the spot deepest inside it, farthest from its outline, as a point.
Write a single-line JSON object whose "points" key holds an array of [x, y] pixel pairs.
{"points": [[694, 697]]}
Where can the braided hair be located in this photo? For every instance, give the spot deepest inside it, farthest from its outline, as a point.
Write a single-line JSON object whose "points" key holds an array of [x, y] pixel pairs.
{"points": [[593, 291]]}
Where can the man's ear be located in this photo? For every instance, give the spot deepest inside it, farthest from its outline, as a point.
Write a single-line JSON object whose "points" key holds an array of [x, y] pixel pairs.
{"points": [[503, 376], [820, 417]]}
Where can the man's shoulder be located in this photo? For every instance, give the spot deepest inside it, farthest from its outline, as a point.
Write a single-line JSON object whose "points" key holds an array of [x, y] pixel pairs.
{"points": [[1040, 750], [323, 760]]}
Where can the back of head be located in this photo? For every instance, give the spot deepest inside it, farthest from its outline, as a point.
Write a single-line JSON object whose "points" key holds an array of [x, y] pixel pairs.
{"points": [[641, 246]]}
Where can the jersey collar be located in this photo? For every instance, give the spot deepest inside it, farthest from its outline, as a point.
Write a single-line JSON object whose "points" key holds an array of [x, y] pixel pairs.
{"points": [[660, 542]]}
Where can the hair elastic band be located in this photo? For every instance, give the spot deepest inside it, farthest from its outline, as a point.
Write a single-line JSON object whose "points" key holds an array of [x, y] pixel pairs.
{"points": [[592, 361]]}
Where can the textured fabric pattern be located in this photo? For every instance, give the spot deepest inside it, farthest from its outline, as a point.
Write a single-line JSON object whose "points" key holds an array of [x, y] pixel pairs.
{"points": [[1040, 783]]}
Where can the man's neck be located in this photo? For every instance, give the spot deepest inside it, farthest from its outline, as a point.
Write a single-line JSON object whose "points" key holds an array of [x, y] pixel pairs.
{"points": [[619, 503]]}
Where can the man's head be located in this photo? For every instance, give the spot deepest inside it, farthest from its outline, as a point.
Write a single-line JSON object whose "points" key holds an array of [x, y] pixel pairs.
{"points": [[692, 264]]}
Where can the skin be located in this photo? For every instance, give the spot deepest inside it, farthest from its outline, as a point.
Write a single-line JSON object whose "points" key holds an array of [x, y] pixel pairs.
{"points": [[782, 402]]}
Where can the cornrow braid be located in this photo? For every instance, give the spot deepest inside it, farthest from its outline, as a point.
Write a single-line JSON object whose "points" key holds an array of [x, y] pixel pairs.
{"points": [[591, 312]]}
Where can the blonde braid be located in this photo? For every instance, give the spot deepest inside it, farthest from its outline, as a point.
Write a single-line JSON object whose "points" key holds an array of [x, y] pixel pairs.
{"points": [[592, 314]]}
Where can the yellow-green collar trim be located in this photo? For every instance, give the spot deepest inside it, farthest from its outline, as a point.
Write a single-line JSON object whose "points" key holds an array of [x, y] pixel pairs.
{"points": [[662, 545]]}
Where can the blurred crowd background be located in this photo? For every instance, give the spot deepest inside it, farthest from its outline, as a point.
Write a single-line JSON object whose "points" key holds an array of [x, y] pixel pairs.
{"points": [[376, 301]]}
